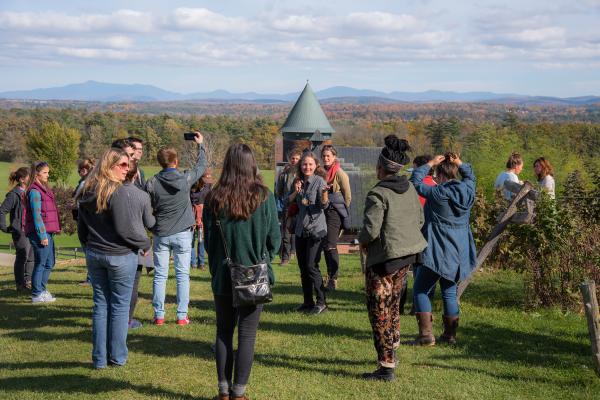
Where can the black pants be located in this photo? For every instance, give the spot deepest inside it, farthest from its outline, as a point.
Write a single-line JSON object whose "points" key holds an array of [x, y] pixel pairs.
{"points": [[134, 293], [329, 242], [288, 245], [308, 252], [23, 267], [246, 319]]}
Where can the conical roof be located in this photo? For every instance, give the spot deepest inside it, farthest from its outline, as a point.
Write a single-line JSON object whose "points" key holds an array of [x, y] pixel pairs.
{"points": [[307, 116]]}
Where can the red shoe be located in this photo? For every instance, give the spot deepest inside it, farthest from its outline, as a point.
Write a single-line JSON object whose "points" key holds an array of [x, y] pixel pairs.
{"points": [[159, 321], [185, 321]]}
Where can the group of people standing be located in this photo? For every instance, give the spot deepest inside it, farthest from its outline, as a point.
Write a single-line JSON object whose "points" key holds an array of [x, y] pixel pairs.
{"points": [[421, 221], [314, 204]]}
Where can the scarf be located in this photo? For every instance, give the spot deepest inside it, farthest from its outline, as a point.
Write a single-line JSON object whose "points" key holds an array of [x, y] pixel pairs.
{"points": [[333, 169]]}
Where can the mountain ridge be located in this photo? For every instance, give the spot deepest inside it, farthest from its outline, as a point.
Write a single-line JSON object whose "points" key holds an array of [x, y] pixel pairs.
{"points": [[117, 92]]}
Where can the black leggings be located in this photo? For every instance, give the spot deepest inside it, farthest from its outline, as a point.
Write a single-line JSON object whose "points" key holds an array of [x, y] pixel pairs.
{"points": [[308, 251], [334, 225], [246, 319]]}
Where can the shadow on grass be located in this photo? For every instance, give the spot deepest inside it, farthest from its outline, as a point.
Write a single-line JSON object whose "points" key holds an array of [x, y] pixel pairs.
{"points": [[295, 328], [78, 383], [507, 376], [326, 366], [45, 364], [28, 316], [482, 341], [170, 346]]}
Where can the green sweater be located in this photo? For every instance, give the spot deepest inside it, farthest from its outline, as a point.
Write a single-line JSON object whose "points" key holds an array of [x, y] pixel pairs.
{"points": [[249, 242]]}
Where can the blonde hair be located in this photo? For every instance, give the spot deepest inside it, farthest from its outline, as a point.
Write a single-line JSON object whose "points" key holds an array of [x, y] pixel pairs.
{"points": [[101, 181]]}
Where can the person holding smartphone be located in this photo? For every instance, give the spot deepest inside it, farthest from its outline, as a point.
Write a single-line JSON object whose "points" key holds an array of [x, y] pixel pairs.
{"points": [[169, 192]]}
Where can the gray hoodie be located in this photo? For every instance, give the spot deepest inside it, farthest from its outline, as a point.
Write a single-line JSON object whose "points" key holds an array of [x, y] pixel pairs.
{"points": [[120, 229], [169, 191]]}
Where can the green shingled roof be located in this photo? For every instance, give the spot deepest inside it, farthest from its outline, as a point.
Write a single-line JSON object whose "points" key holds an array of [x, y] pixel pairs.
{"points": [[307, 116]]}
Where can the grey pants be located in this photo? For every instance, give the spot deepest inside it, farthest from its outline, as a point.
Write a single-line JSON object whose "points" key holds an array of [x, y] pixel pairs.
{"points": [[24, 258]]}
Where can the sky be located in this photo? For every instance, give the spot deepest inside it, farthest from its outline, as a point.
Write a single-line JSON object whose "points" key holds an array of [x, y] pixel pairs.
{"points": [[513, 46]]}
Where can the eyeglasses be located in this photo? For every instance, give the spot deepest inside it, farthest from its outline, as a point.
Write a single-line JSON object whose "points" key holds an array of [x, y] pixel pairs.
{"points": [[124, 165]]}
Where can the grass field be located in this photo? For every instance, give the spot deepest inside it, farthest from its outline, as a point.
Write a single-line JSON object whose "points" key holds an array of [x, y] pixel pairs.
{"points": [[503, 352], [71, 240]]}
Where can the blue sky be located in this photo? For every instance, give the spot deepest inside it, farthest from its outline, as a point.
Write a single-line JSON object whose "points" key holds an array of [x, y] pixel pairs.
{"points": [[527, 47]]}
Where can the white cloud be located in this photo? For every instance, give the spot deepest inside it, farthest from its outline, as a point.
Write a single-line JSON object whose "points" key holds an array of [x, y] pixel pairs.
{"points": [[202, 19]]}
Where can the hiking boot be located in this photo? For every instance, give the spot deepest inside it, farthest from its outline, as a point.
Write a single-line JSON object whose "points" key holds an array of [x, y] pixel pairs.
{"points": [[449, 335], [28, 285], [243, 397], [222, 396], [202, 267], [380, 374], [425, 338]]}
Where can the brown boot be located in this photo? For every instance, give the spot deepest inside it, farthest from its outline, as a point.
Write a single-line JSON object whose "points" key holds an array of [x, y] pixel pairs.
{"points": [[449, 335], [425, 338], [221, 397], [244, 397]]}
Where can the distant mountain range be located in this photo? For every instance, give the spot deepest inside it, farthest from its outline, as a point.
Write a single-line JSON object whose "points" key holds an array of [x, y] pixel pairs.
{"points": [[110, 92]]}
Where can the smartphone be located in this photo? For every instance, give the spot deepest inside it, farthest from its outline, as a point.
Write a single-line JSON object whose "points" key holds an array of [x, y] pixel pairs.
{"points": [[189, 136]]}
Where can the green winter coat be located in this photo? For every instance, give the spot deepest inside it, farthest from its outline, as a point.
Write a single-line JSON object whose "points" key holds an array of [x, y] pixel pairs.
{"points": [[249, 242], [392, 222]]}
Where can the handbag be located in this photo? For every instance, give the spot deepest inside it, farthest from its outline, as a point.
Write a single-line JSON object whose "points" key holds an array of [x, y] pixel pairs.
{"points": [[249, 284]]}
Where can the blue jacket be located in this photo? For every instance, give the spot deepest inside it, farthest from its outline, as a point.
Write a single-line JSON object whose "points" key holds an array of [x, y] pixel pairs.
{"points": [[450, 248]]}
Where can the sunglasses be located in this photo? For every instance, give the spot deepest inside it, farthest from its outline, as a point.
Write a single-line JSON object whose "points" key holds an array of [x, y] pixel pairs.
{"points": [[124, 165]]}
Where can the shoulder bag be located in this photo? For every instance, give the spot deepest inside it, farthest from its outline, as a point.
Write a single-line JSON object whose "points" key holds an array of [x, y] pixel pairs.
{"points": [[249, 284]]}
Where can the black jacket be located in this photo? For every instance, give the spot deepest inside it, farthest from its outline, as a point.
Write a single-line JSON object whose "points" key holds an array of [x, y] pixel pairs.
{"points": [[12, 205]]}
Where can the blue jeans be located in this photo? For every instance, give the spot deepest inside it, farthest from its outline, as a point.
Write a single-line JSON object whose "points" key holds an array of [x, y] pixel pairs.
{"points": [[199, 259], [425, 282], [181, 245], [44, 260], [112, 283]]}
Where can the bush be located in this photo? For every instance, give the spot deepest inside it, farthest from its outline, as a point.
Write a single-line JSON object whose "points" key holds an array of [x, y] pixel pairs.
{"points": [[65, 204], [57, 146]]}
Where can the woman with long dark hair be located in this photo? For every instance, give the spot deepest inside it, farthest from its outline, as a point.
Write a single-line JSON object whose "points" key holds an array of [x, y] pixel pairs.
{"points": [[311, 196], [450, 256], [340, 197], [14, 205], [247, 214], [41, 223], [112, 232]]}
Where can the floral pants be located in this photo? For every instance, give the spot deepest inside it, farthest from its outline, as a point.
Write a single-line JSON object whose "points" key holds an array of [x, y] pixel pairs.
{"points": [[383, 298]]}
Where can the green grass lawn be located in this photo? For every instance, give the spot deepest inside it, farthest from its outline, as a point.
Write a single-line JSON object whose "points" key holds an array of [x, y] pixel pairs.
{"points": [[503, 352], [71, 240]]}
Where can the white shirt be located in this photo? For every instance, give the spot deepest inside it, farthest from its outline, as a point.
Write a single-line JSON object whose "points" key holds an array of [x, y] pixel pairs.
{"points": [[547, 184], [499, 184]]}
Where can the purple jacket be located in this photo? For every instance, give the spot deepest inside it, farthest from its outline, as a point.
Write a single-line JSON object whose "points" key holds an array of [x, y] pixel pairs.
{"points": [[49, 211]]}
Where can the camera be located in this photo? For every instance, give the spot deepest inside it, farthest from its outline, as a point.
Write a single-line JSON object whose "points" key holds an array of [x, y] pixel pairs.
{"points": [[189, 136]]}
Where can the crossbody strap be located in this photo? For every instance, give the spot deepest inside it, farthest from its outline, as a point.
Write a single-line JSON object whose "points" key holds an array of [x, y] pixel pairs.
{"points": [[227, 255]]}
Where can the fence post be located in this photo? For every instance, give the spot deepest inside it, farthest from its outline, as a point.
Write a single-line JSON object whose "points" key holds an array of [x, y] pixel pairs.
{"points": [[590, 303]]}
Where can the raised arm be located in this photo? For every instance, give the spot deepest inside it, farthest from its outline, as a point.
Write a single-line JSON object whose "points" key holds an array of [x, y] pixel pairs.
{"points": [[196, 173]]}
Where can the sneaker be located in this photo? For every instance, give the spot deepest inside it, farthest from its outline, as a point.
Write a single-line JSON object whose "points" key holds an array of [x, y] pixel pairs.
{"points": [[202, 267], [185, 321], [38, 299], [134, 324], [318, 309], [159, 321], [48, 296]]}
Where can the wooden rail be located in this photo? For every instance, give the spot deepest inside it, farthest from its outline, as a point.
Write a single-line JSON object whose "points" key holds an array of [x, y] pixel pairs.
{"points": [[590, 303]]}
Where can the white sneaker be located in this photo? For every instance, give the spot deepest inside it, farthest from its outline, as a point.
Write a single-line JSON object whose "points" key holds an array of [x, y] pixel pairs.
{"points": [[38, 299], [48, 298]]}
